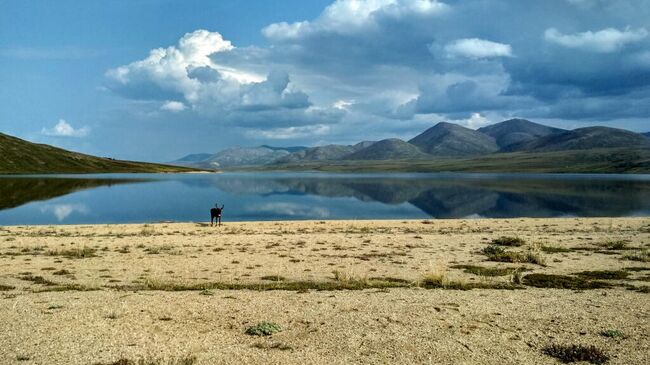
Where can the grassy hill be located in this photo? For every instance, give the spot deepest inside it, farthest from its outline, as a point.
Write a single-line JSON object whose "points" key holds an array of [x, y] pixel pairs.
{"points": [[18, 156], [449, 139], [388, 149], [606, 160]]}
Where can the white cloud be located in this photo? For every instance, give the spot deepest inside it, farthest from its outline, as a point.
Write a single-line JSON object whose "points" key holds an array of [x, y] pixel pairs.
{"points": [[173, 106], [602, 41], [63, 129], [187, 72], [475, 121], [289, 132], [477, 48], [349, 16]]}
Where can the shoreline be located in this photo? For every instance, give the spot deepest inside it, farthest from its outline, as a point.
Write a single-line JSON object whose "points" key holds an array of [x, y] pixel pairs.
{"points": [[371, 291]]}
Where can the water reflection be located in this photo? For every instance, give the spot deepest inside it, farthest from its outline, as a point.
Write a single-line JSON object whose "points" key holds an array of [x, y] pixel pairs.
{"points": [[277, 196]]}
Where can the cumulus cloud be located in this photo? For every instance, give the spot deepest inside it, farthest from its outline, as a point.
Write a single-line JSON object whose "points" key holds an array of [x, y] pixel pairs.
{"points": [[173, 106], [603, 41], [477, 48], [187, 74], [290, 132], [394, 66], [63, 129], [351, 16]]}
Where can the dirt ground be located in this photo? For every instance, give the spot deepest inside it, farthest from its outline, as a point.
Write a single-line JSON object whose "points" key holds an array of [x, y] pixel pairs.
{"points": [[155, 293]]}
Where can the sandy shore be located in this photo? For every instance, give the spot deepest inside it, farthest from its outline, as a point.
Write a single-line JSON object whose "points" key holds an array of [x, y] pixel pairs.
{"points": [[98, 294]]}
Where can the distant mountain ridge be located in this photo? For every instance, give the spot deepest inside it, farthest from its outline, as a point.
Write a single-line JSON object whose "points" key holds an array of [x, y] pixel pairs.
{"points": [[442, 141], [517, 131], [18, 156], [448, 139]]}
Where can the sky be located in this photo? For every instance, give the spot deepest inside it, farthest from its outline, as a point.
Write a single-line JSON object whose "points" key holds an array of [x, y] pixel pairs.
{"points": [[157, 80]]}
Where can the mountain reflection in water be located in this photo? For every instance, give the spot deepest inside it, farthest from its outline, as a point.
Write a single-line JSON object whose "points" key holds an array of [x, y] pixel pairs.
{"points": [[279, 196]]}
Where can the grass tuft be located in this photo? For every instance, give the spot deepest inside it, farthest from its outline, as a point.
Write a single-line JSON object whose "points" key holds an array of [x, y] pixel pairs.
{"points": [[612, 334], [575, 353], [489, 271], [263, 329], [508, 241], [604, 274], [643, 256], [74, 253], [562, 282]]}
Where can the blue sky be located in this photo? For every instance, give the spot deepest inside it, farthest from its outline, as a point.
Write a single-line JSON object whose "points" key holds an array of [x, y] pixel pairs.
{"points": [[155, 80]]}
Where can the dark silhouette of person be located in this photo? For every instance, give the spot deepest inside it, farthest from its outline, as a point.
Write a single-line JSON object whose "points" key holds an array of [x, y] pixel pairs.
{"points": [[215, 214]]}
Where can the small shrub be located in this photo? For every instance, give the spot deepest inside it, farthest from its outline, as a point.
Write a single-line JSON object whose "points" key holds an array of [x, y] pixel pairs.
{"points": [[61, 272], [493, 250], [612, 334], [604, 274], [273, 278], [6, 287], [488, 271], [498, 254], [263, 329], [575, 353], [643, 256], [508, 241], [614, 245], [562, 282], [23, 357], [74, 253], [554, 249]]}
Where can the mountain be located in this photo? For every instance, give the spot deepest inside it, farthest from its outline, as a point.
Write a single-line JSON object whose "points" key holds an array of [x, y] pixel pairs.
{"points": [[196, 157], [289, 149], [448, 139], [323, 153], [586, 139], [18, 156], [388, 149], [237, 156], [517, 131]]}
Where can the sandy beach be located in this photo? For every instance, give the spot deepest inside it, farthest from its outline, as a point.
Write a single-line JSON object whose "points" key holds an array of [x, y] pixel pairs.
{"points": [[432, 291]]}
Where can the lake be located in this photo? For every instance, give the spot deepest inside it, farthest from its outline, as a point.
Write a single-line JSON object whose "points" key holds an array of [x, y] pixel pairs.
{"points": [[131, 198]]}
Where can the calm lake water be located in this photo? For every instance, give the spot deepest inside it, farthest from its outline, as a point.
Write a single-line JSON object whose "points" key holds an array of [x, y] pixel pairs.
{"points": [[122, 198]]}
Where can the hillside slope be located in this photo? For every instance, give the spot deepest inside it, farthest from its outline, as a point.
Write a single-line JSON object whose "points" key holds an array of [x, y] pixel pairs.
{"points": [[448, 139], [18, 156], [388, 149], [517, 131], [586, 139]]}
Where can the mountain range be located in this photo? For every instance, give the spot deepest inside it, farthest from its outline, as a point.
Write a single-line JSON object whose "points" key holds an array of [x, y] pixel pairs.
{"points": [[18, 156], [446, 142]]}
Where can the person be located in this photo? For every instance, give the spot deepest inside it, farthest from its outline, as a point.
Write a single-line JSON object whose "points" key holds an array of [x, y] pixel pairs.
{"points": [[215, 214]]}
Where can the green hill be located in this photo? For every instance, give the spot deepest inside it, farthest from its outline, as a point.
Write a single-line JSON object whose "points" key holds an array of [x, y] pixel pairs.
{"points": [[18, 156], [448, 139], [388, 149]]}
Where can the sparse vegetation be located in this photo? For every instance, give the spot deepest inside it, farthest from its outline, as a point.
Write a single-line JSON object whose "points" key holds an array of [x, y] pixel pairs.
{"points": [[489, 271], [604, 274], [554, 249], [74, 253], [643, 256], [562, 282], [508, 241], [187, 360], [575, 353], [6, 287], [263, 329], [612, 334], [273, 278], [499, 254]]}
